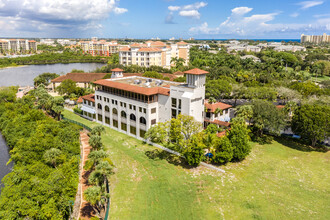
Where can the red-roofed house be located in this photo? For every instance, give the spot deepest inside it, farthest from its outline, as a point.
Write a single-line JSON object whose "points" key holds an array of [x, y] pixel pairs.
{"points": [[217, 113]]}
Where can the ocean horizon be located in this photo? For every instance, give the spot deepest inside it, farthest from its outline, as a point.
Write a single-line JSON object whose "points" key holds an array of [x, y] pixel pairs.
{"points": [[267, 40]]}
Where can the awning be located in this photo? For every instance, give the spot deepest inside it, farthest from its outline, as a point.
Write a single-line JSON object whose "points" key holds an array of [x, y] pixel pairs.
{"points": [[89, 110]]}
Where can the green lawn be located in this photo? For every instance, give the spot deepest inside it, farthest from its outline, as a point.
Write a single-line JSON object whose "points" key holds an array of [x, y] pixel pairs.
{"points": [[274, 182], [320, 78]]}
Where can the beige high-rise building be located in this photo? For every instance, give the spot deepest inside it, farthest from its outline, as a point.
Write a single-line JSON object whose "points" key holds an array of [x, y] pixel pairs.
{"points": [[153, 53], [99, 48], [316, 39], [14, 46]]}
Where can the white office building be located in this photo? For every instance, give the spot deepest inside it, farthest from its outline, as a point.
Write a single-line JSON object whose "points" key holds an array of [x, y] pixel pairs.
{"points": [[133, 104]]}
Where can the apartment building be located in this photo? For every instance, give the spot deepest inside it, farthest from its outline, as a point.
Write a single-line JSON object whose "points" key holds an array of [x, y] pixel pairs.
{"points": [[153, 53], [316, 39], [15, 46], [133, 104], [99, 48]]}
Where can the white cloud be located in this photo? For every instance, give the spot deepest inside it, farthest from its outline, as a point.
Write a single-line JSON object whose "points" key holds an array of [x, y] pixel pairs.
{"points": [[257, 25], [241, 10], [58, 14], [294, 15], [308, 4], [190, 11], [174, 8]]}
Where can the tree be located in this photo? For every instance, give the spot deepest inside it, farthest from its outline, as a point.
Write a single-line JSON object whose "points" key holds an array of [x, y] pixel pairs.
{"points": [[224, 151], [52, 156], [312, 122], [245, 111], [239, 138], [153, 74], [218, 88], [267, 117], [97, 198], [287, 94], [194, 153], [98, 130], [44, 79], [95, 142], [159, 133], [68, 86]]}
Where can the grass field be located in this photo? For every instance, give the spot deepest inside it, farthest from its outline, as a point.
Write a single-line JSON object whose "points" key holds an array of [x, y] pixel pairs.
{"points": [[274, 182]]}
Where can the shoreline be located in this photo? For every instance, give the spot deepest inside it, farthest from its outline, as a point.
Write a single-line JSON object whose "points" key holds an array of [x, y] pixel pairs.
{"points": [[8, 67]]}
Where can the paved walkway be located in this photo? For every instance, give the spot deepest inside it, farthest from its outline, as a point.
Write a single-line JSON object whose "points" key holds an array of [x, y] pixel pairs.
{"points": [[86, 211]]}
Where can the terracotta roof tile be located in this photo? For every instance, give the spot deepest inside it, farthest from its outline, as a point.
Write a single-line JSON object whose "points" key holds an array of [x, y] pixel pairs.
{"points": [[117, 70], [212, 107], [90, 97], [149, 49], [182, 43], [80, 100], [217, 122], [80, 77], [133, 88], [196, 71], [124, 49]]}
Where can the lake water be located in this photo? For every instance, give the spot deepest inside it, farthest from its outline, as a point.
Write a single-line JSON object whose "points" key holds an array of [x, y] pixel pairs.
{"points": [[23, 76], [4, 157]]}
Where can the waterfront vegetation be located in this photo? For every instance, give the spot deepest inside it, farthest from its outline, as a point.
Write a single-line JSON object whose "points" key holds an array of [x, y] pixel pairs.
{"points": [[282, 180], [50, 57], [46, 155]]}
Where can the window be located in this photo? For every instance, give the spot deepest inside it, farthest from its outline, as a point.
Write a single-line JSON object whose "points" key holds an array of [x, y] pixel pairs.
{"points": [[99, 117], [140, 109], [144, 111], [143, 121], [107, 120], [123, 114], [134, 107], [97, 97], [112, 101], [114, 111], [132, 129], [142, 133], [99, 106], [94, 116], [93, 104], [106, 108], [105, 99], [173, 102], [132, 117], [179, 104], [115, 123], [173, 113], [130, 106], [123, 126], [153, 121], [208, 114], [108, 100], [153, 110], [85, 113]]}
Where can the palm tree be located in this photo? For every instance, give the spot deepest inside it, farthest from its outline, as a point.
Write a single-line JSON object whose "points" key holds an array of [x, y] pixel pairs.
{"points": [[97, 198], [95, 142], [98, 130]]}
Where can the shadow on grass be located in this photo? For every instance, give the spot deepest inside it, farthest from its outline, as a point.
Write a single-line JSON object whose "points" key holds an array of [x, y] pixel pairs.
{"points": [[295, 144], [158, 154], [87, 211]]}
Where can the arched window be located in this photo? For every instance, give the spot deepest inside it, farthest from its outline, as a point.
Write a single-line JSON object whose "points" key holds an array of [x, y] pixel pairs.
{"points": [[114, 111], [143, 121], [106, 108], [123, 114], [132, 117], [99, 106]]}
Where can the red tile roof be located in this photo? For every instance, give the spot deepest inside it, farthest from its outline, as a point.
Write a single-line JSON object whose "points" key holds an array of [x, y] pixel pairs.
{"points": [[137, 45], [196, 71], [124, 49], [133, 88], [212, 107], [80, 77], [149, 49], [117, 70], [223, 133], [182, 43], [90, 97], [178, 73], [217, 122], [80, 100], [280, 106]]}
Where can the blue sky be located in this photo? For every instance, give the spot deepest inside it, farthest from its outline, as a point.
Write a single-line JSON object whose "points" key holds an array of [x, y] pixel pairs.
{"points": [[212, 19]]}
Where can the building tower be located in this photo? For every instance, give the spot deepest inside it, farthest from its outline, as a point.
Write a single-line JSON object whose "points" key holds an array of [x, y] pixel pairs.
{"points": [[116, 73]]}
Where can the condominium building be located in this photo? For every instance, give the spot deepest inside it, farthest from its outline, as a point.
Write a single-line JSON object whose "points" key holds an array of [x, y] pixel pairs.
{"points": [[317, 39], [99, 48], [14, 46], [153, 53], [133, 104]]}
